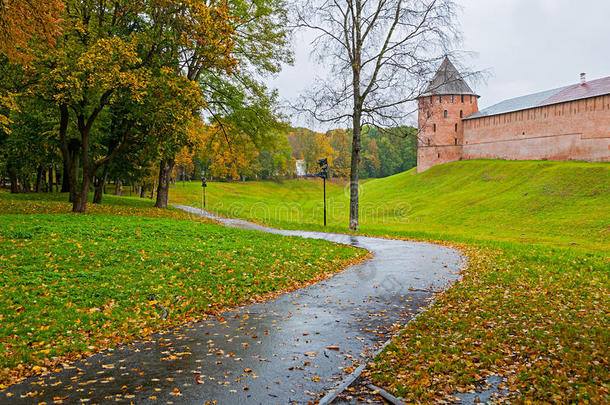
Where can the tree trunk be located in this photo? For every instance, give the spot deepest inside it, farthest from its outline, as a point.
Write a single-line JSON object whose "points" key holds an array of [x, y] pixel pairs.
{"points": [[50, 180], [143, 191], [152, 190], [74, 172], [80, 201], [12, 174], [56, 180], [39, 173], [65, 182], [353, 188], [25, 184], [99, 187], [118, 190], [356, 145], [165, 174]]}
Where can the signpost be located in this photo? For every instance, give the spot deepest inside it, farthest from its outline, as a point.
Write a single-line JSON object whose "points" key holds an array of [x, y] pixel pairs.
{"points": [[204, 184], [323, 163]]}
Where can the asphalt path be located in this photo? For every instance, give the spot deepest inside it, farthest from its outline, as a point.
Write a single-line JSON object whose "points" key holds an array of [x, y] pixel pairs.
{"points": [[295, 348]]}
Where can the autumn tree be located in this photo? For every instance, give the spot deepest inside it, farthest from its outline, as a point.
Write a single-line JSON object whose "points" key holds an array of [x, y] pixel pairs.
{"points": [[228, 153], [276, 160], [340, 142], [311, 146], [242, 111], [25, 23], [136, 55], [380, 55], [195, 38], [24, 20]]}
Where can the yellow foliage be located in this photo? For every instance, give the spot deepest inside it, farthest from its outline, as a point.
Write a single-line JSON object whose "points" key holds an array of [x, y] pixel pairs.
{"points": [[25, 20]]}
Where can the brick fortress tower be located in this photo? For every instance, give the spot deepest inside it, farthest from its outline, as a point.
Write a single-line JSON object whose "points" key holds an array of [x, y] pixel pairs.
{"points": [[447, 100]]}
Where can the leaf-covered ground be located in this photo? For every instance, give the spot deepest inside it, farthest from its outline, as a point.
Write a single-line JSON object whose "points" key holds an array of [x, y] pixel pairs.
{"points": [[533, 305], [57, 203], [74, 284], [537, 316]]}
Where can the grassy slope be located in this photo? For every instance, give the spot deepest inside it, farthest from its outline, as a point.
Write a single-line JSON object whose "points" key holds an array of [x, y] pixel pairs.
{"points": [[532, 305], [73, 284], [556, 204]]}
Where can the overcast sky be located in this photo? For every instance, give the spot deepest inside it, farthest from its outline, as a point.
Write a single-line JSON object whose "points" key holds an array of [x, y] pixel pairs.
{"points": [[526, 45]]}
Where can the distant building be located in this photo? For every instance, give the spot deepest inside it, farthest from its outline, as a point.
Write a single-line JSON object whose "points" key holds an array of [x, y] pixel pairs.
{"points": [[568, 123], [301, 167]]}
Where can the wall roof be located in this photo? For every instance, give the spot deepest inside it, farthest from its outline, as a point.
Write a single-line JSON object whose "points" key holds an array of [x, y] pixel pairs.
{"points": [[573, 92]]}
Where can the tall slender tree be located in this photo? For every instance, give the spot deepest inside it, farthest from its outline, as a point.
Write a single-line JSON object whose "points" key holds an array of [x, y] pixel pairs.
{"points": [[380, 54]]}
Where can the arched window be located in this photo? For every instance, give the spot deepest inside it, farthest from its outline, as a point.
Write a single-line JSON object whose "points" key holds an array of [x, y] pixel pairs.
{"points": [[461, 114], [445, 113], [440, 98], [452, 99], [455, 127], [462, 98], [434, 127], [456, 141], [428, 141]]}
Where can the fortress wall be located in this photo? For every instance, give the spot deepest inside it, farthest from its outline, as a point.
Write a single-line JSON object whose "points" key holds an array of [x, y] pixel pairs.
{"points": [[575, 130]]}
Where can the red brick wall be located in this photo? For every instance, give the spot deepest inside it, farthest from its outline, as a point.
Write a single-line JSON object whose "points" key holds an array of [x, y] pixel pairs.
{"points": [[444, 143], [576, 130]]}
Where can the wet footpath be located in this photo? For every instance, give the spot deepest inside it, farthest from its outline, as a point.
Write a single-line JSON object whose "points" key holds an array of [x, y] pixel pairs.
{"points": [[295, 348]]}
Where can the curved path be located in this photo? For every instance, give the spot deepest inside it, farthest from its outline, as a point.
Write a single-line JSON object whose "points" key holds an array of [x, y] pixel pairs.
{"points": [[294, 348]]}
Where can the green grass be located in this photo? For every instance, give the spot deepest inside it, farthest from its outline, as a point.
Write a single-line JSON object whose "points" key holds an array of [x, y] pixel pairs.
{"points": [[551, 203], [74, 284], [532, 306], [57, 203]]}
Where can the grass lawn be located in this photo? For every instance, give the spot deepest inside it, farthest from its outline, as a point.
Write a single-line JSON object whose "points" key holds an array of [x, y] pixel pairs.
{"points": [[74, 284], [532, 306]]}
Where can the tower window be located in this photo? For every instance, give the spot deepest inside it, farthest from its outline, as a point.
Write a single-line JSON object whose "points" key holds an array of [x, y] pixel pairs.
{"points": [[462, 98], [455, 127], [440, 98], [452, 99], [428, 141], [431, 99], [445, 113], [461, 114], [456, 141], [439, 155], [434, 127]]}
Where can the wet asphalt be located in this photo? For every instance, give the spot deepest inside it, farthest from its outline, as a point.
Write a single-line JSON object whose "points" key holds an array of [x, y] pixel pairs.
{"points": [[293, 349]]}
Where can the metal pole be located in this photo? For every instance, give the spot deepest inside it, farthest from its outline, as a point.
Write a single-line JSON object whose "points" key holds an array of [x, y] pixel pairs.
{"points": [[324, 201], [204, 197]]}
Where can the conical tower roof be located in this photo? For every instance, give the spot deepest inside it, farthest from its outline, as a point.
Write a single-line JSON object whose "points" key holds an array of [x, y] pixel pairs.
{"points": [[448, 80]]}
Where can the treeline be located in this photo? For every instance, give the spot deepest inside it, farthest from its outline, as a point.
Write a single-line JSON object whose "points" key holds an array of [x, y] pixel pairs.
{"points": [[94, 91], [384, 153], [146, 93]]}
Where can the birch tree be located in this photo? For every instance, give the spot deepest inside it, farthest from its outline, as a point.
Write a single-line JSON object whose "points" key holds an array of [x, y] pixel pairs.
{"points": [[380, 54]]}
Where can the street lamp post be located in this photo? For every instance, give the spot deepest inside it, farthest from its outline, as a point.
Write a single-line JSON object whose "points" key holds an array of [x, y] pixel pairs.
{"points": [[204, 184], [323, 163]]}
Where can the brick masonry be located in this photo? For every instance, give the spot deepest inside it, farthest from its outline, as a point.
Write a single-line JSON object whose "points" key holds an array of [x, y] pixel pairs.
{"points": [[441, 130], [573, 130]]}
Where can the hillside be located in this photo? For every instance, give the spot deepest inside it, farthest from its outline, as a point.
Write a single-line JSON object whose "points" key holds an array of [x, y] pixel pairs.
{"points": [[531, 306], [553, 203]]}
